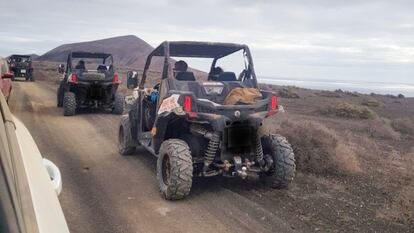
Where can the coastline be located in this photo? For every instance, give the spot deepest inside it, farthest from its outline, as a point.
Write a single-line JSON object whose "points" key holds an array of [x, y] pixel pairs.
{"points": [[363, 87]]}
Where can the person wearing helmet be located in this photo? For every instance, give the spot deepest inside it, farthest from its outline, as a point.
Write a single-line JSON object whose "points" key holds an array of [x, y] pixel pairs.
{"points": [[80, 65], [180, 66]]}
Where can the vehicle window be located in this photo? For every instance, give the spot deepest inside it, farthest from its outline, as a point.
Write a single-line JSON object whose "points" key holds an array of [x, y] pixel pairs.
{"points": [[154, 73], [234, 62], [90, 63], [200, 67]]}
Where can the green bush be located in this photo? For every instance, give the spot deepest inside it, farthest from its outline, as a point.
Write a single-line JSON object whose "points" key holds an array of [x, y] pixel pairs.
{"points": [[347, 110], [371, 102]]}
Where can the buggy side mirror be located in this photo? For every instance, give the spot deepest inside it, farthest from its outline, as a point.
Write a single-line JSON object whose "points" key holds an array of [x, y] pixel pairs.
{"points": [[61, 68], [132, 79], [7, 75]]}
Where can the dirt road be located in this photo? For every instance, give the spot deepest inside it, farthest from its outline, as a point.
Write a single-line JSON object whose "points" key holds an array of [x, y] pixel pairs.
{"points": [[105, 192]]}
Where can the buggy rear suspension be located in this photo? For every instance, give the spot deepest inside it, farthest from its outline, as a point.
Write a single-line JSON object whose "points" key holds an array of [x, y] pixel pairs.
{"points": [[240, 166], [212, 146]]}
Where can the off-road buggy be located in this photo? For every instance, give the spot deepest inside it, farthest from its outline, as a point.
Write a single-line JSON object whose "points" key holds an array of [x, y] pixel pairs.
{"points": [[21, 66], [90, 83], [191, 130]]}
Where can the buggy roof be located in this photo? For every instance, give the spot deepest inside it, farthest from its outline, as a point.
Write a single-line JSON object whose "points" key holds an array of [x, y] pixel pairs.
{"points": [[197, 49], [17, 55], [90, 55]]}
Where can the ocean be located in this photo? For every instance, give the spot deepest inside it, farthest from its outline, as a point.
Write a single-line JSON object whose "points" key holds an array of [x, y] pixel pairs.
{"points": [[365, 87]]}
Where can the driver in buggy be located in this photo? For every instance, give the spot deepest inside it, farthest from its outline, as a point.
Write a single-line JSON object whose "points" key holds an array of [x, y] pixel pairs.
{"points": [[80, 65], [179, 66]]}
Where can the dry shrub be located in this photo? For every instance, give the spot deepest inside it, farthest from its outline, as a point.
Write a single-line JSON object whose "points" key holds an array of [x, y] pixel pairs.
{"points": [[319, 150], [348, 93], [403, 125], [380, 128], [401, 207], [344, 109], [371, 102], [401, 96], [267, 87], [288, 93], [330, 94]]}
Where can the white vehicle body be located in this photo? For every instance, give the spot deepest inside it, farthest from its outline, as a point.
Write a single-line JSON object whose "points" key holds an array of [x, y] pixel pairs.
{"points": [[45, 183], [35, 182]]}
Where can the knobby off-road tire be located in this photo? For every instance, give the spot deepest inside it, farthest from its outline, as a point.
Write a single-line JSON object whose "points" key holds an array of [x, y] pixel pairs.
{"points": [[31, 77], [118, 104], [69, 104], [60, 96], [126, 145], [283, 168], [174, 169]]}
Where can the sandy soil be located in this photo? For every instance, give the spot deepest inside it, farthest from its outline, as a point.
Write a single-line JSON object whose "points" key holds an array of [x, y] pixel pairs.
{"points": [[104, 192]]}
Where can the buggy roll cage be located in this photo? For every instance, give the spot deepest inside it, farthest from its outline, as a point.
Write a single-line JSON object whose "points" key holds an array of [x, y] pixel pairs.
{"points": [[103, 56], [194, 49], [29, 58]]}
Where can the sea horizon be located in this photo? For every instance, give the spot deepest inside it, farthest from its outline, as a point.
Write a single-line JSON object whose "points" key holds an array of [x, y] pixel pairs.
{"points": [[364, 87]]}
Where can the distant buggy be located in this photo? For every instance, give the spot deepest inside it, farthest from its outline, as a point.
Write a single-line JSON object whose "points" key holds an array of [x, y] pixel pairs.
{"points": [[89, 81], [195, 128], [21, 66]]}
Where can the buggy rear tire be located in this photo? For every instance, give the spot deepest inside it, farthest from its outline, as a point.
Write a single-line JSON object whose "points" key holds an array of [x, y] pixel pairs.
{"points": [[69, 104], [174, 169], [283, 168], [118, 104], [126, 145], [60, 96]]}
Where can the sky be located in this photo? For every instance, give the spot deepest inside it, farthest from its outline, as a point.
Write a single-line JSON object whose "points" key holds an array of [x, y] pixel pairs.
{"points": [[371, 40]]}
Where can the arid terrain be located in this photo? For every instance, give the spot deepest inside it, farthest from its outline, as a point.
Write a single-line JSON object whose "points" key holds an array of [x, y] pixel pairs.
{"points": [[354, 155]]}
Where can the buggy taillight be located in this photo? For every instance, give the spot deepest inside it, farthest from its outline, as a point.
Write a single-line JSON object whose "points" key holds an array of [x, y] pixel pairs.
{"points": [[73, 78], [273, 103], [187, 103], [115, 79], [273, 106]]}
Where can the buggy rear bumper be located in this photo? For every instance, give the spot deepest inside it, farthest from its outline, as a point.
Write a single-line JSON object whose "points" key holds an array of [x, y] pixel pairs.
{"points": [[221, 116]]}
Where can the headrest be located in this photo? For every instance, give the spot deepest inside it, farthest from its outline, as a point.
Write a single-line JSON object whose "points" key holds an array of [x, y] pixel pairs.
{"points": [[185, 76], [227, 76], [102, 67]]}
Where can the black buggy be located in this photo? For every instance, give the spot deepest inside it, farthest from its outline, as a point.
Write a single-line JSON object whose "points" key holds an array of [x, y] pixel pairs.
{"points": [[21, 66], [89, 81], [194, 130]]}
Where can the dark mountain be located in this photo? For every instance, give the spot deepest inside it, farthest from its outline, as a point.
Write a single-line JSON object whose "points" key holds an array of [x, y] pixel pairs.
{"points": [[33, 56], [129, 51]]}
